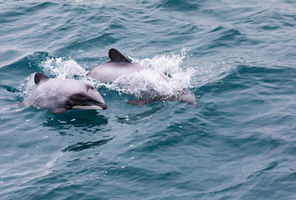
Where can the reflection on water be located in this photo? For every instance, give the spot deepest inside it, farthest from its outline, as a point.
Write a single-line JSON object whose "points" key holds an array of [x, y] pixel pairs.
{"points": [[135, 118], [80, 146]]}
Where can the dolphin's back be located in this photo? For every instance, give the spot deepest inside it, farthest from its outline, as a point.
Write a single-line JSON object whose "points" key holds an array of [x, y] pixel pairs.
{"points": [[110, 71], [117, 66]]}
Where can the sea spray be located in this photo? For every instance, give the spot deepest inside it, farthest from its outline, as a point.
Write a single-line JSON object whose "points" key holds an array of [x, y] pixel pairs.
{"points": [[63, 68]]}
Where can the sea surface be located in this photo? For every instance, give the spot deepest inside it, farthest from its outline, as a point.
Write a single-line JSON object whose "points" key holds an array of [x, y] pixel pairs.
{"points": [[237, 57]]}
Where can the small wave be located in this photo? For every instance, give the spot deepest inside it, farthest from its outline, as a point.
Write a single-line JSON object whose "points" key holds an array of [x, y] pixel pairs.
{"points": [[179, 5], [209, 72], [86, 3], [80, 146]]}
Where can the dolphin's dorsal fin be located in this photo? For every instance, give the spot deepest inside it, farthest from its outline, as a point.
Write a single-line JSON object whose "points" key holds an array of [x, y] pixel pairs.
{"points": [[39, 77], [116, 56]]}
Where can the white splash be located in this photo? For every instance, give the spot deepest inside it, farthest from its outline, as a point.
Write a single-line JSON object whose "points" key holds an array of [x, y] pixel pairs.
{"points": [[63, 68], [27, 86]]}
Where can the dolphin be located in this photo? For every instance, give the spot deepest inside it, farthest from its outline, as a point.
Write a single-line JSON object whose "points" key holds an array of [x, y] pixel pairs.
{"points": [[62, 95], [119, 65]]}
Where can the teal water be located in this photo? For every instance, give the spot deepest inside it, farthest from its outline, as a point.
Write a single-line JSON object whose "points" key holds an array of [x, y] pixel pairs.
{"points": [[238, 143]]}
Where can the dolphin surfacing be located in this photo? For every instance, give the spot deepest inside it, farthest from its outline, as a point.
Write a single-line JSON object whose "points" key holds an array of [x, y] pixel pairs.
{"points": [[116, 67], [119, 65], [62, 95]]}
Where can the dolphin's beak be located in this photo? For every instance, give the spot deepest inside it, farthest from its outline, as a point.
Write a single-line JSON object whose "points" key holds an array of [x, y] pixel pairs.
{"points": [[100, 106]]}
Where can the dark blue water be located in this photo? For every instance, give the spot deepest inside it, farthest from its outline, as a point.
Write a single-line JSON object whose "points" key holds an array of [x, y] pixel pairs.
{"points": [[239, 59]]}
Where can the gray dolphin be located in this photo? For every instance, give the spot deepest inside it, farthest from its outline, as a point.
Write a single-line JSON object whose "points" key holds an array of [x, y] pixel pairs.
{"points": [[119, 65], [62, 95]]}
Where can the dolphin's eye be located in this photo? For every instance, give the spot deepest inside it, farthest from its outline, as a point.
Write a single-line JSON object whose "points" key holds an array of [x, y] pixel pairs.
{"points": [[89, 87]]}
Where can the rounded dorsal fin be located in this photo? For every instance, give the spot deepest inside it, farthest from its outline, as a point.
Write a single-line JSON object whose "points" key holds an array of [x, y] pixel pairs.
{"points": [[39, 77], [116, 56]]}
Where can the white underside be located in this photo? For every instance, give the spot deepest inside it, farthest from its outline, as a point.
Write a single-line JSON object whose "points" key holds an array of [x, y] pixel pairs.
{"points": [[88, 107]]}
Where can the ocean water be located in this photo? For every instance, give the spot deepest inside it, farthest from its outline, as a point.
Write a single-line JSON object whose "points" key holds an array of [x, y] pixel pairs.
{"points": [[238, 58]]}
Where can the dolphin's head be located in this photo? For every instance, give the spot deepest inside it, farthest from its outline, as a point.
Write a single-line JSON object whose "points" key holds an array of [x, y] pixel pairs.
{"points": [[86, 98], [62, 95], [188, 97]]}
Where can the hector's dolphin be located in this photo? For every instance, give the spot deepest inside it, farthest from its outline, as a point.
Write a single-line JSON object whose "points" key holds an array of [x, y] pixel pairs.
{"points": [[62, 95], [119, 65]]}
